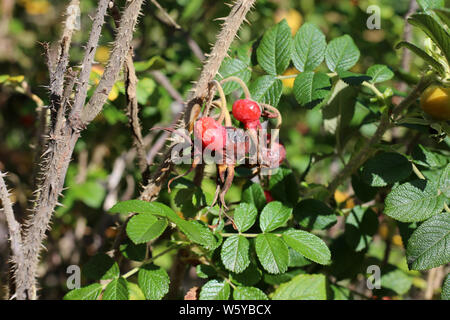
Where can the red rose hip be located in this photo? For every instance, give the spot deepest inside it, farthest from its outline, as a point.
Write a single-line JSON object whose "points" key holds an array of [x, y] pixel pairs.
{"points": [[211, 133], [248, 112]]}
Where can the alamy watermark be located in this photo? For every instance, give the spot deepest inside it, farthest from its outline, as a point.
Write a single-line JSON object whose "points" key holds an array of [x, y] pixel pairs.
{"points": [[374, 20]]}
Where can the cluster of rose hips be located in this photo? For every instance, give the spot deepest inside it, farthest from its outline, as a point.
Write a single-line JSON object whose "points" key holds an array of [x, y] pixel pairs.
{"points": [[220, 139]]}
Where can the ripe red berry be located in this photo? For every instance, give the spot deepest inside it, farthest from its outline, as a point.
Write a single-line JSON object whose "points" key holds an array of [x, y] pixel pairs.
{"points": [[248, 112], [211, 133], [268, 195]]}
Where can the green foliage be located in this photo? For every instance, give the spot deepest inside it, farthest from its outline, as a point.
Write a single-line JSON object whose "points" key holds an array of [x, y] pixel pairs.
{"points": [[248, 293], [273, 253], [308, 245], [428, 245], [414, 201], [117, 289], [303, 287], [335, 85], [234, 253], [386, 168], [215, 290], [309, 48], [274, 51], [153, 281], [341, 54], [90, 292]]}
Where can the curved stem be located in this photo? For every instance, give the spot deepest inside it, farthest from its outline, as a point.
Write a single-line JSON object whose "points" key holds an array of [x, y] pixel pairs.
{"points": [[240, 82], [225, 114]]}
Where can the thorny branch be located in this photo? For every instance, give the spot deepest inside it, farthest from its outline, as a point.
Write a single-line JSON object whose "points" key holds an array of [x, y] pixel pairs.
{"points": [[15, 236], [219, 51], [65, 133]]}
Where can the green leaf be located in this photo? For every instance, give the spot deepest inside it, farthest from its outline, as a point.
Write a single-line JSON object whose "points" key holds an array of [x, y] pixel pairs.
{"points": [[340, 293], [429, 245], [314, 214], [380, 73], [135, 292], [277, 279], [297, 260], [90, 292], [422, 54], [303, 287], [443, 13], [283, 186], [445, 295], [361, 224], [309, 48], [396, 280], [341, 53], [434, 30], [251, 276], [274, 51], [364, 192], [101, 267], [236, 68], [273, 216], [386, 168], [205, 271], [444, 181], [245, 216], [249, 293], [140, 206], [254, 194], [153, 281], [197, 233], [215, 290], [308, 245], [272, 252], [414, 201], [133, 251], [145, 227], [116, 290], [431, 4], [144, 89], [311, 88], [154, 63], [267, 89], [234, 253], [340, 109], [428, 158], [91, 193]]}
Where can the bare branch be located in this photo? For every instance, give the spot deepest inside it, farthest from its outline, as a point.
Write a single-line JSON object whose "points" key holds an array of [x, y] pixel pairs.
{"points": [[115, 63], [86, 67], [62, 142]]}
